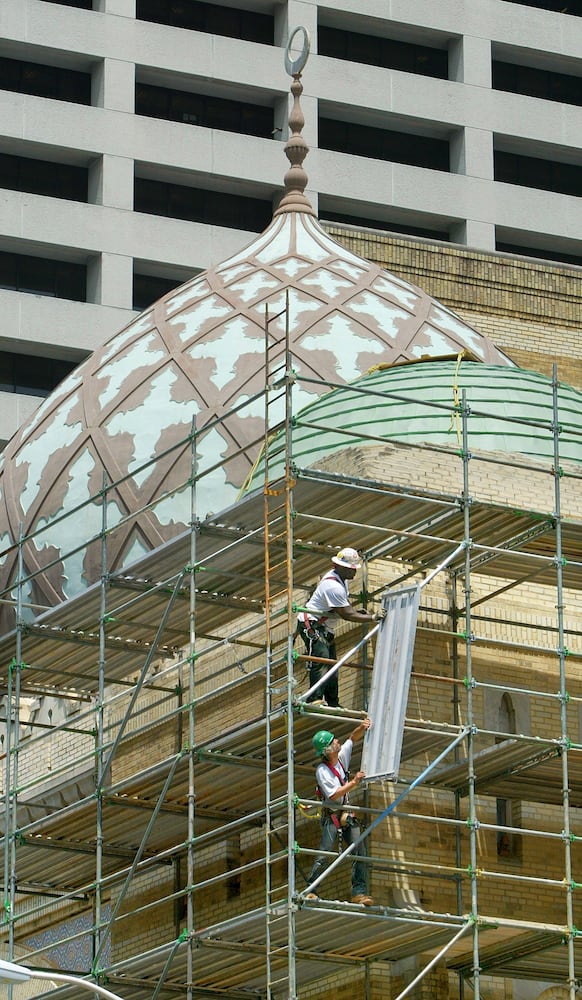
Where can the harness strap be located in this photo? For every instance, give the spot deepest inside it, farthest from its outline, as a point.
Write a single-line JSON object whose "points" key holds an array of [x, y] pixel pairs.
{"points": [[306, 616], [340, 778]]}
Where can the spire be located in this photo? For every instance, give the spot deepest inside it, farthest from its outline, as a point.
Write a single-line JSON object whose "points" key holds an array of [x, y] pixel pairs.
{"points": [[296, 148]]}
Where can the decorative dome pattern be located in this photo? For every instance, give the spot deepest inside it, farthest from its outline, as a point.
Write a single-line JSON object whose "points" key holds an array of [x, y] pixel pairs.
{"points": [[199, 355]]}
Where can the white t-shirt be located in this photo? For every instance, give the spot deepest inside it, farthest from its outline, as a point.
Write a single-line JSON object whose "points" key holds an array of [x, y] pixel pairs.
{"points": [[329, 782], [331, 592]]}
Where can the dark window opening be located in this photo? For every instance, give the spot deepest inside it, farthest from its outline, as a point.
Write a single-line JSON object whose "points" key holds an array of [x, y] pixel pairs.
{"points": [[541, 83], [508, 811], [57, 278], [230, 21], [382, 144], [198, 205], [538, 252], [384, 226], [532, 172], [386, 52], [233, 864], [57, 180], [84, 4], [31, 374], [45, 81], [147, 289], [200, 109], [573, 7]]}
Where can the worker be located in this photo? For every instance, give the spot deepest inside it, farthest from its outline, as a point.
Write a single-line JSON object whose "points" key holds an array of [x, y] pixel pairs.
{"points": [[334, 785], [329, 602]]}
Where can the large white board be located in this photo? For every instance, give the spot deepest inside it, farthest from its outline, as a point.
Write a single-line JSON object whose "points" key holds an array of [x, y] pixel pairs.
{"points": [[390, 683]]}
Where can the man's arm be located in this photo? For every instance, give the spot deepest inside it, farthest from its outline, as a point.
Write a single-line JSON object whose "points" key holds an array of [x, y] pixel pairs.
{"points": [[360, 730], [351, 614]]}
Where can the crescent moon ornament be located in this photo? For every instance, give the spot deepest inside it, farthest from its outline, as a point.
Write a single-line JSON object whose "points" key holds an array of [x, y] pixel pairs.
{"points": [[294, 66]]}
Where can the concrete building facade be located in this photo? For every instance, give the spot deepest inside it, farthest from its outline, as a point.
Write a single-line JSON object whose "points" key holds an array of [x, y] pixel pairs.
{"points": [[141, 143]]}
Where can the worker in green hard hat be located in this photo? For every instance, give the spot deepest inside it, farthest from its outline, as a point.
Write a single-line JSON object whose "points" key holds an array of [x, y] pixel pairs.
{"points": [[334, 785], [329, 603]]}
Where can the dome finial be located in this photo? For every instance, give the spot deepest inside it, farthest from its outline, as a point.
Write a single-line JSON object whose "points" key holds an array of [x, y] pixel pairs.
{"points": [[296, 149]]}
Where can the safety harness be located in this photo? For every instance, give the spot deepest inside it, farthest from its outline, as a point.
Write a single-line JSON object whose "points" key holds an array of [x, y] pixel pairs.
{"points": [[309, 620], [326, 811]]}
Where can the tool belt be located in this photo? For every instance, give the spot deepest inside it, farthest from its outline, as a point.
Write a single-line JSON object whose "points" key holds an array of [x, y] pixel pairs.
{"points": [[340, 820], [314, 627]]}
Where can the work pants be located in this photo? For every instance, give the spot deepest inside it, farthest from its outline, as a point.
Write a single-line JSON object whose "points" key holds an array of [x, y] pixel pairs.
{"points": [[319, 641], [329, 834]]}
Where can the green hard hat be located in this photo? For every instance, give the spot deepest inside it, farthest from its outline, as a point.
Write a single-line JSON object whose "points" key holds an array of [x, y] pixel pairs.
{"points": [[321, 740]]}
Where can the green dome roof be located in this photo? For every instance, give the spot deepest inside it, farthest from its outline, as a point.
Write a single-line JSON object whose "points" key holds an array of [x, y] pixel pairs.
{"points": [[511, 411]]}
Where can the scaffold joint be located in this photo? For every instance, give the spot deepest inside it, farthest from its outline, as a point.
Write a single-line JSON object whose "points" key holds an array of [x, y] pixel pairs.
{"points": [[194, 568]]}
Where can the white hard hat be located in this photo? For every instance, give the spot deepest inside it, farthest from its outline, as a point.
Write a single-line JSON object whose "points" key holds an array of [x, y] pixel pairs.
{"points": [[347, 557]]}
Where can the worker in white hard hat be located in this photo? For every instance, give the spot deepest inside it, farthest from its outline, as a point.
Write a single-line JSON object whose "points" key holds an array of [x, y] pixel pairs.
{"points": [[329, 602]]}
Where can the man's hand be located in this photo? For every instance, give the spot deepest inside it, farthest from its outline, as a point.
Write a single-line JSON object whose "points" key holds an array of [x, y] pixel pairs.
{"points": [[360, 730], [380, 615]]}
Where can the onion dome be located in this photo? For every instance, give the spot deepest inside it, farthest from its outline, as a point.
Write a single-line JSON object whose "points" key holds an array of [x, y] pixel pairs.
{"points": [[198, 356]]}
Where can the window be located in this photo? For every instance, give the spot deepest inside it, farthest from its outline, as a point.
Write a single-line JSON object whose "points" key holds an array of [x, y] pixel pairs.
{"points": [[376, 51], [45, 81], [31, 374], [147, 289], [384, 225], [230, 21], [560, 6], [541, 83], [543, 253], [198, 205], [201, 109], [382, 144], [57, 180], [56, 278], [533, 172], [85, 4]]}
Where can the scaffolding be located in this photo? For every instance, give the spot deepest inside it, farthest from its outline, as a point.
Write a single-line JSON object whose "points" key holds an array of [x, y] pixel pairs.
{"points": [[157, 835]]}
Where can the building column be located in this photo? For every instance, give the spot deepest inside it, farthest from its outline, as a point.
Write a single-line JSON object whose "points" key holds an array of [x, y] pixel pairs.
{"points": [[471, 149], [111, 182], [125, 8], [470, 61], [113, 85], [474, 233], [110, 280], [295, 14], [471, 153], [111, 178]]}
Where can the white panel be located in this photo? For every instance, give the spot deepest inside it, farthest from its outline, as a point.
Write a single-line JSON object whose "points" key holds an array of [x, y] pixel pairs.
{"points": [[390, 682]]}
